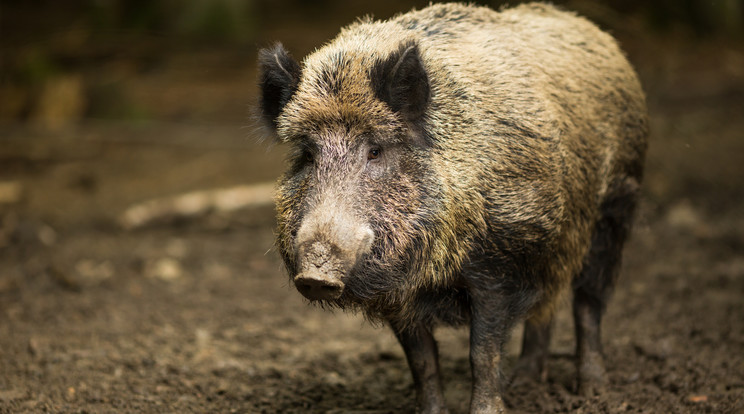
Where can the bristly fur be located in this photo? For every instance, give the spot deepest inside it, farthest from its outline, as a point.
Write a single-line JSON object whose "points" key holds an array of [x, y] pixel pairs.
{"points": [[279, 77], [508, 140], [514, 173], [401, 81]]}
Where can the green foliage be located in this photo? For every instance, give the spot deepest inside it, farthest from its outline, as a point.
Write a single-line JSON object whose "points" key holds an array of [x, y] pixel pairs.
{"points": [[109, 100], [703, 17], [208, 20], [224, 20], [33, 67]]}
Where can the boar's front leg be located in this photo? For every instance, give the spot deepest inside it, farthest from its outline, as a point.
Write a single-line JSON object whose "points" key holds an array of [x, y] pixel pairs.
{"points": [[420, 348], [492, 315]]}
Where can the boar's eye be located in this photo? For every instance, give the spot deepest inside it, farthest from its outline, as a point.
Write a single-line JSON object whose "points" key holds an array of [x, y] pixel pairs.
{"points": [[374, 153], [305, 150], [307, 156]]}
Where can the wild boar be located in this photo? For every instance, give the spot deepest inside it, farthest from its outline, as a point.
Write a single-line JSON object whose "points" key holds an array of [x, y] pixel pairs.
{"points": [[458, 165]]}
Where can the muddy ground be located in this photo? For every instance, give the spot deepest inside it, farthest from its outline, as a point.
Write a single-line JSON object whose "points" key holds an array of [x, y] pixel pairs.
{"points": [[197, 315]]}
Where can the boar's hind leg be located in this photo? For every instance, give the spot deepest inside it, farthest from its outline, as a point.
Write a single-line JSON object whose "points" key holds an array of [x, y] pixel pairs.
{"points": [[594, 285], [533, 362], [421, 352]]}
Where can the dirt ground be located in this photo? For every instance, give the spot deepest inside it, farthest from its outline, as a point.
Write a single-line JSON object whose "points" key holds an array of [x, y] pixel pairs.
{"points": [[197, 315]]}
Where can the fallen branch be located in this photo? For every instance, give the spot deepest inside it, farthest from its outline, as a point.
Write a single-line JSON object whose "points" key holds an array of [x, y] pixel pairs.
{"points": [[197, 203]]}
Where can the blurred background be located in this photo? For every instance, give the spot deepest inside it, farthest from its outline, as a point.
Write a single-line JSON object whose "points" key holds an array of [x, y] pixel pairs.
{"points": [[113, 294], [182, 73], [168, 61]]}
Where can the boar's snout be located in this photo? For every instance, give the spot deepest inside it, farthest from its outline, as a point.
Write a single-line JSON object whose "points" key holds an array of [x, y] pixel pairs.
{"points": [[321, 270], [326, 253], [316, 285]]}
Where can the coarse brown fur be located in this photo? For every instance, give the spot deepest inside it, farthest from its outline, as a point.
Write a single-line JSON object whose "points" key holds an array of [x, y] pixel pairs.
{"points": [[512, 146]]}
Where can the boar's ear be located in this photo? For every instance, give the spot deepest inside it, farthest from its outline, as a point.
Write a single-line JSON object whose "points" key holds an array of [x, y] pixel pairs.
{"points": [[279, 76], [401, 81]]}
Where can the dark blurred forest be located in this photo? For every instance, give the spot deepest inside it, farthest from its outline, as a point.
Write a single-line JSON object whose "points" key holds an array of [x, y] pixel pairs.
{"points": [[67, 61], [137, 269]]}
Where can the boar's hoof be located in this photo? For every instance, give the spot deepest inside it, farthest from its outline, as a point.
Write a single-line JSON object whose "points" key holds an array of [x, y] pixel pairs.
{"points": [[318, 286]]}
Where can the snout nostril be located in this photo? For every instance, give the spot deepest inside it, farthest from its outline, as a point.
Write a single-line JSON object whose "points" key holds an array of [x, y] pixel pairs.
{"points": [[303, 288], [319, 287]]}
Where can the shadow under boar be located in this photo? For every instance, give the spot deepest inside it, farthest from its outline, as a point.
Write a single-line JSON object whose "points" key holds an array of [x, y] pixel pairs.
{"points": [[459, 165]]}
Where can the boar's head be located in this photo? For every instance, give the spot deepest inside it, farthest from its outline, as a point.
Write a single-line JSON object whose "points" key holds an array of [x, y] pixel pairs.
{"points": [[359, 188]]}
